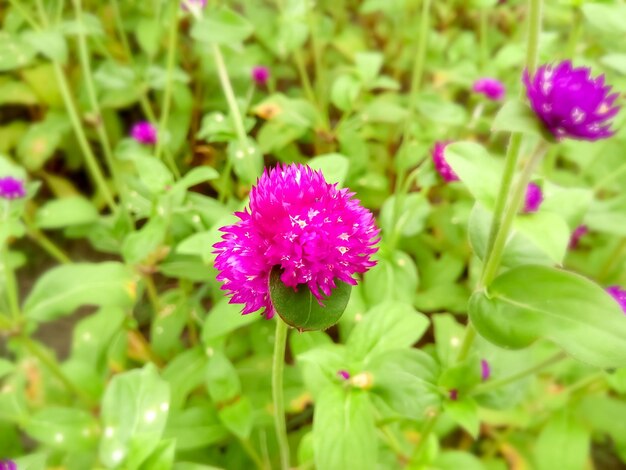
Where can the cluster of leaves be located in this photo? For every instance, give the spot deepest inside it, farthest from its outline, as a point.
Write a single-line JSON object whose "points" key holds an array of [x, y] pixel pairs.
{"points": [[162, 372]]}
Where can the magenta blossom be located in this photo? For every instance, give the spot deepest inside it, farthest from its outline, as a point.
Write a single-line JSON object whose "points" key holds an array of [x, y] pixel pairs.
{"points": [[343, 374], [492, 88], [260, 75], [578, 233], [193, 4], [11, 188], [485, 370], [534, 198], [453, 394], [7, 465], [619, 295], [441, 165], [570, 102], [314, 231], [144, 133]]}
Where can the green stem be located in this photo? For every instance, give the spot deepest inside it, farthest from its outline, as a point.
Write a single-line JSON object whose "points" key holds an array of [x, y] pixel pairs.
{"points": [[117, 15], [252, 453], [468, 340], [419, 448], [227, 88], [48, 245], [600, 185], [55, 369], [25, 14], [496, 384], [83, 54], [11, 285], [167, 95], [484, 39], [490, 268], [280, 342]]}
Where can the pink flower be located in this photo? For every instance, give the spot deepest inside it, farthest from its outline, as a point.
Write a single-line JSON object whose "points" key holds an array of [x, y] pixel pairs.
{"points": [[260, 75], [144, 133], [534, 198], [485, 370], [11, 188], [316, 232], [197, 5], [343, 374], [619, 295], [441, 165], [490, 87], [578, 233], [7, 465], [453, 394], [570, 102]]}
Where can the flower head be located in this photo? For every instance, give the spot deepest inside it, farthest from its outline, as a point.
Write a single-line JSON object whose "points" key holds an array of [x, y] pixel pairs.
{"points": [[144, 133], [314, 231], [7, 465], [453, 394], [11, 188], [534, 198], [578, 233], [485, 370], [570, 102], [441, 165], [490, 87], [619, 295], [343, 374], [260, 75]]}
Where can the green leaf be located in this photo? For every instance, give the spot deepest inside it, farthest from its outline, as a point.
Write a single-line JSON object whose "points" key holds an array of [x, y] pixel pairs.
{"points": [[162, 458], [465, 414], [301, 309], [247, 160], [368, 64], [516, 116], [195, 427], [41, 140], [153, 173], [223, 318], [195, 176], [344, 433], [478, 170], [64, 288], [438, 109], [388, 326], [49, 43], [222, 379], [139, 245], [14, 53], [394, 278], [149, 33], [65, 212], [63, 428], [134, 412], [185, 373], [238, 417], [532, 302], [345, 91], [455, 460], [607, 18], [320, 366], [221, 26], [412, 214], [92, 335], [334, 166], [564, 443]]}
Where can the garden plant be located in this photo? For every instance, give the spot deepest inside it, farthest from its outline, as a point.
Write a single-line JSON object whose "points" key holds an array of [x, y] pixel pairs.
{"points": [[295, 234]]}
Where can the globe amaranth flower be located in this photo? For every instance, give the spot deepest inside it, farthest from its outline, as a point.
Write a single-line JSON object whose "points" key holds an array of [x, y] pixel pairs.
{"points": [[314, 231], [343, 374], [533, 199], [578, 233], [485, 370], [441, 165], [570, 102], [260, 75], [11, 188], [7, 465], [144, 133], [619, 295], [492, 88]]}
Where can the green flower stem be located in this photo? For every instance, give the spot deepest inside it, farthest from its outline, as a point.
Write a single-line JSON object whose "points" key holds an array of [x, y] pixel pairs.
{"points": [[426, 432], [83, 54], [167, 95], [227, 88], [492, 264], [496, 384], [252, 453], [55, 369], [24, 13], [280, 342], [11, 285], [468, 340], [417, 76], [120, 29], [47, 245]]}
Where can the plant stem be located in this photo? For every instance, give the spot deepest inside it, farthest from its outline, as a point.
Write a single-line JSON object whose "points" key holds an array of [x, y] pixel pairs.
{"points": [[11, 285], [419, 448], [25, 14], [280, 342], [252, 453], [495, 384], [167, 95], [490, 268], [55, 369], [48, 245], [227, 88], [468, 340]]}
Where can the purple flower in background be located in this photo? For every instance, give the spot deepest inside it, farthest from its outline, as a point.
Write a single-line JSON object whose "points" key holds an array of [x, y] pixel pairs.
{"points": [[578, 233], [193, 4], [11, 188], [534, 198], [453, 394], [619, 295], [260, 75], [485, 370], [343, 374], [314, 231], [490, 87], [7, 465], [570, 102], [144, 133], [441, 165]]}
